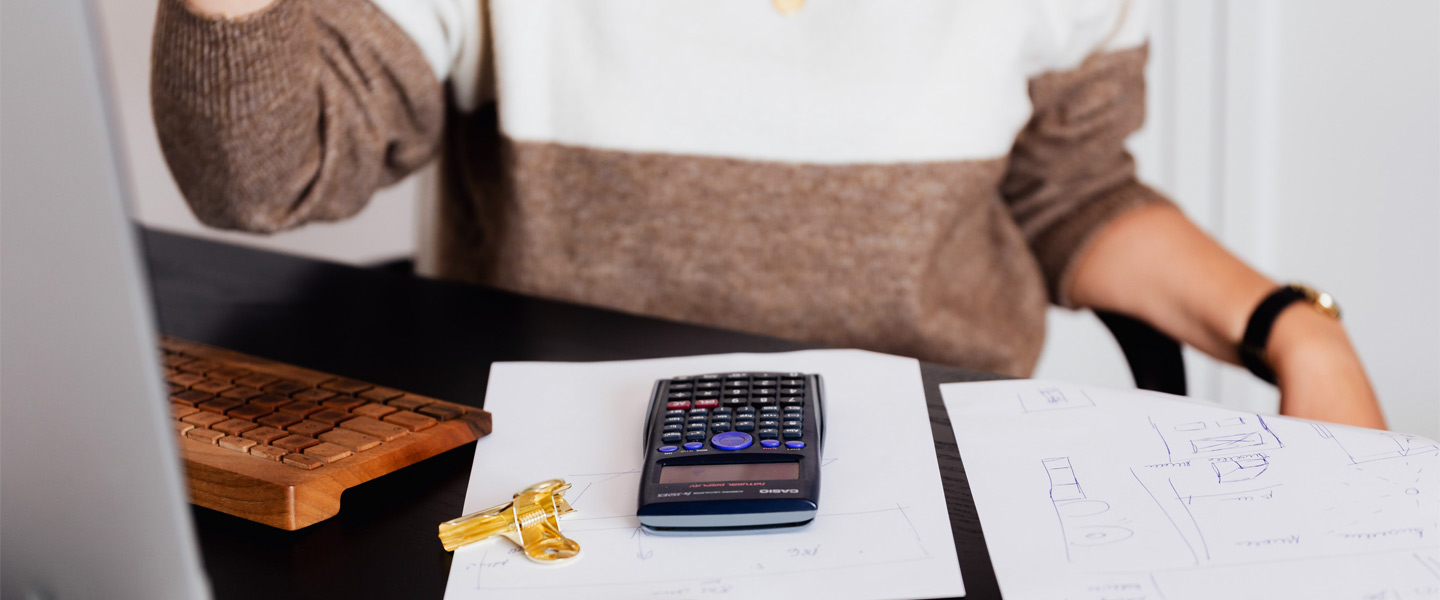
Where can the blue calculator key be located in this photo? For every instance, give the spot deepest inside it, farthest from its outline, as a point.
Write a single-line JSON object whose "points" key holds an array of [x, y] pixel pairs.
{"points": [[670, 438], [694, 445], [769, 443], [667, 449], [794, 445], [732, 440]]}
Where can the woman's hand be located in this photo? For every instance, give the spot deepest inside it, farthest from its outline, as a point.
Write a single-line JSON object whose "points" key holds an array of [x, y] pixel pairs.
{"points": [[1319, 374]]}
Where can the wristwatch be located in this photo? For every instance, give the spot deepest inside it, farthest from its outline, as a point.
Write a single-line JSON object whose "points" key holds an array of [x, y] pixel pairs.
{"points": [[1257, 330]]}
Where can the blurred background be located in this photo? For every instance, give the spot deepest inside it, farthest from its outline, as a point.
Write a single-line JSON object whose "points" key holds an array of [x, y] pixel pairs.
{"points": [[1304, 134]]}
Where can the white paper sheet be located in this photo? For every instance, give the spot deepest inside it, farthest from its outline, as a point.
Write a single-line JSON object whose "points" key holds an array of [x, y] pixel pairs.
{"points": [[882, 530], [1087, 493]]}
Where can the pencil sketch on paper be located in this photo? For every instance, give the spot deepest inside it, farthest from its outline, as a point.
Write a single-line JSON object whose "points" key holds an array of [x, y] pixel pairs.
{"points": [[1148, 497]]}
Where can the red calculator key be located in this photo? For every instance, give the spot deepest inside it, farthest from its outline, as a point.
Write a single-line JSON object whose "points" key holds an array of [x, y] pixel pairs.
{"points": [[678, 404], [712, 403]]}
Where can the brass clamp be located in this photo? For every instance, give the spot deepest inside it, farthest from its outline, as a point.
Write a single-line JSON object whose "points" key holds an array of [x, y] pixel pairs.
{"points": [[531, 520]]}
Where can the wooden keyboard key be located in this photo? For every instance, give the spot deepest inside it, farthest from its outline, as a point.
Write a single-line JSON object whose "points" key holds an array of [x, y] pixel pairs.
{"points": [[285, 387], [241, 393], [441, 412], [408, 402], [181, 427], [233, 426], [346, 386], [295, 443], [200, 434], [345, 403], [211, 386], [220, 405], [301, 408], [173, 360], [353, 440], [372, 427], [236, 443], [380, 394], [172, 388], [313, 395], [227, 373], [270, 401], [330, 416], [410, 420], [372, 410], [268, 452], [264, 434], [302, 461], [256, 380], [179, 411], [197, 366], [191, 397], [327, 452], [185, 379], [204, 419], [309, 428], [280, 419], [249, 412]]}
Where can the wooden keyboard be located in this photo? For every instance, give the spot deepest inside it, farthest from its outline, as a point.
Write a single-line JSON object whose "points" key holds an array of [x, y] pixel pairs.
{"points": [[277, 444]]}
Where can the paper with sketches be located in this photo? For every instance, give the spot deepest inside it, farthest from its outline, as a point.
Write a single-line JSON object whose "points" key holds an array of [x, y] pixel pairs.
{"points": [[882, 531], [1086, 493]]}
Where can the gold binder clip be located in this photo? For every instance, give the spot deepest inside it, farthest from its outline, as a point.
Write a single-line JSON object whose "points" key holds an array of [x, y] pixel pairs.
{"points": [[531, 520]]}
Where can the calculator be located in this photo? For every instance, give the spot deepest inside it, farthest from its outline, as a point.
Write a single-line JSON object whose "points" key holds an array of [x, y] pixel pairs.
{"points": [[732, 453]]}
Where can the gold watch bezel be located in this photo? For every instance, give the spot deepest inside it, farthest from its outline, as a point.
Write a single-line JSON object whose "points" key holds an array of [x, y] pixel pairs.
{"points": [[1321, 301]]}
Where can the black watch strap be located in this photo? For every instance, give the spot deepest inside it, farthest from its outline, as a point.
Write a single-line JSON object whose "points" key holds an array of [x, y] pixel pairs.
{"points": [[1257, 331]]}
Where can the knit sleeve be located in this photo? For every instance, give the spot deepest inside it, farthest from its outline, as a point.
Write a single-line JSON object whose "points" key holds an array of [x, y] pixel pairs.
{"points": [[295, 114], [1069, 173]]}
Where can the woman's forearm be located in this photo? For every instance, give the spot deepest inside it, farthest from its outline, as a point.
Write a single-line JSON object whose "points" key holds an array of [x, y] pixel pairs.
{"points": [[1156, 265]]}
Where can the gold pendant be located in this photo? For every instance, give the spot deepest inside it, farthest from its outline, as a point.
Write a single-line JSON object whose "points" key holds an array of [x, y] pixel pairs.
{"points": [[787, 7]]}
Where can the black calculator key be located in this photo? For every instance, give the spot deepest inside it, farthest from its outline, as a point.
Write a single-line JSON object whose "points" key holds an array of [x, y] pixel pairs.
{"points": [[737, 383], [744, 409], [764, 383], [675, 419], [769, 410], [707, 394], [762, 401], [673, 427], [792, 424], [795, 401], [723, 412], [790, 391], [768, 434], [735, 402], [762, 391], [695, 426], [744, 426], [707, 385], [679, 395], [740, 391], [695, 436], [793, 409], [674, 412], [720, 427], [670, 438], [709, 378], [680, 385], [792, 434], [764, 423]]}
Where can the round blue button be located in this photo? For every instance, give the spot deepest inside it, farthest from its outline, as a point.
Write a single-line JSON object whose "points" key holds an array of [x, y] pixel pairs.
{"points": [[795, 445], [732, 440], [667, 449], [770, 443], [694, 445]]}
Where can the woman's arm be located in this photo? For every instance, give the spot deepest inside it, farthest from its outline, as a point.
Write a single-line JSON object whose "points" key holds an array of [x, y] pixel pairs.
{"points": [[275, 113], [1154, 264]]}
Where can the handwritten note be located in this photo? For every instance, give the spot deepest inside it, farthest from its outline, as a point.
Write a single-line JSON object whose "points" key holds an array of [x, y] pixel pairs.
{"points": [[882, 530], [1086, 493]]}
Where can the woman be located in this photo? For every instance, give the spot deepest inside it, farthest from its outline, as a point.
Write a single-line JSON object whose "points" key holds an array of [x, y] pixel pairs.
{"points": [[918, 178]]}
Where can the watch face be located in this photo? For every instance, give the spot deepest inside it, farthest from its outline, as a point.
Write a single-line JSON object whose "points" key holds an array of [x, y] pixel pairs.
{"points": [[1322, 301]]}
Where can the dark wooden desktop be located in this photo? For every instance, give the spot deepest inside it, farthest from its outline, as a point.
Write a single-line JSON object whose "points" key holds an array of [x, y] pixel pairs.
{"points": [[437, 339]]}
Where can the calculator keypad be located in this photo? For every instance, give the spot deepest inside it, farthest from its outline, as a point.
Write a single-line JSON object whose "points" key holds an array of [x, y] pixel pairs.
{"points": [[718, 410]]}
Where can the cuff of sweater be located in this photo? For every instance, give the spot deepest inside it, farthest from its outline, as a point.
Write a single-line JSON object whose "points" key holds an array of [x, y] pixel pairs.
{"points": [[1060, 248], [219, 67]]}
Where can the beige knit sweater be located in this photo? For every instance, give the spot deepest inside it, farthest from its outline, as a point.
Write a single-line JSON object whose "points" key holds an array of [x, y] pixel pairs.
{"points": [[915, 180]]}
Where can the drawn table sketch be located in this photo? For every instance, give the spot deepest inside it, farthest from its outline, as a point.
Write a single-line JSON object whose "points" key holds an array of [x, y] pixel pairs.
{"points": [[1131, 494], [882, 530]]}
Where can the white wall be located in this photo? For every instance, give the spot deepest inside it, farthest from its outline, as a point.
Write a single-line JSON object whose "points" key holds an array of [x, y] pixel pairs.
{"points": [[1304, 135]]}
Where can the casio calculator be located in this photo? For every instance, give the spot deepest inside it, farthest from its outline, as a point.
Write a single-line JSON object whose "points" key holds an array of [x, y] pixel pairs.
{"points": [[732, 453]]}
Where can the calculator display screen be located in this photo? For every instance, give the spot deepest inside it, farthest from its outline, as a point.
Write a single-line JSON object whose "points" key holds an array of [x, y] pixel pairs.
{"points": [[729, 472]]}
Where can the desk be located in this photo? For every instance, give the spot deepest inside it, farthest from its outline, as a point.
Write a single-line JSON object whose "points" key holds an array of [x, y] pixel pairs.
{"points": [[437, 339]]}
